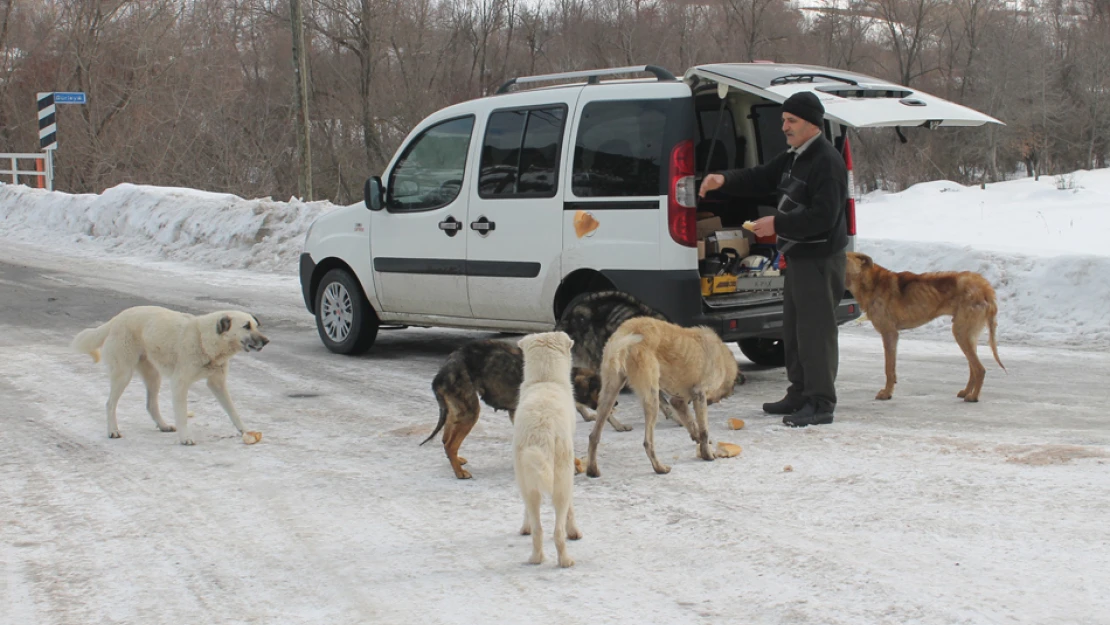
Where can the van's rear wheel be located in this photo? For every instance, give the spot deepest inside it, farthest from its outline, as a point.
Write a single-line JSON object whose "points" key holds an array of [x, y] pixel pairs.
{"points": [[766, 352], [345, 320]]}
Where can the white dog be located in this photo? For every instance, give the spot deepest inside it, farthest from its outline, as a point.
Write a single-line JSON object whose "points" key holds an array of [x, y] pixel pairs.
{"points": [[543, 440], [183, 347]]}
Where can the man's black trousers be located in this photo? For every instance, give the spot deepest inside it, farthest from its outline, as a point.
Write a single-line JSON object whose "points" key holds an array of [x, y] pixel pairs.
{"points": [[813, 289]]}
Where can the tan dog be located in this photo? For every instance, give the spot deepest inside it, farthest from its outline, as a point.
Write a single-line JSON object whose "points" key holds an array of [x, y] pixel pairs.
{"points": [[900, 301], [543, 440], [691, 365], [185, 348]]}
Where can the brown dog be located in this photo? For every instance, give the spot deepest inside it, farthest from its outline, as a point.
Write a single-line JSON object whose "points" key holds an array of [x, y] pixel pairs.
{"points": [[650, 355], [493, 371], [900, 301]]}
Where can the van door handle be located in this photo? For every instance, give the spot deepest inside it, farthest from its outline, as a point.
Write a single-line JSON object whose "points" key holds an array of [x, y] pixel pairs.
{"points": [[451, 226], [483, 225]]}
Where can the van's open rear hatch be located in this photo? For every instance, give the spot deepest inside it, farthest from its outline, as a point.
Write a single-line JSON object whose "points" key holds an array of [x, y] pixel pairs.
{"points": [[857, 100]]}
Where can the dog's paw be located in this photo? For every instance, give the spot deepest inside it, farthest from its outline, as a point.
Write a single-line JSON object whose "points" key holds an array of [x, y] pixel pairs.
{"points": [[593, 471], [620, 427], [525, 530], [884, 394], [662, 469], [962, 393], [970, 399], [115, 434], [251, 437], [167, 428], [187, 441], [566, 562], [574, 534], [537, 558]]}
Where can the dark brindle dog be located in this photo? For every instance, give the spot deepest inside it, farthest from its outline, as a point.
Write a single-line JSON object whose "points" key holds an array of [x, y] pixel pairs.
{"points": [[490, 370]]}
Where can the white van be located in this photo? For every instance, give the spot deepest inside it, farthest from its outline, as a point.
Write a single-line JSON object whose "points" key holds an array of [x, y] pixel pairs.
{"points": [[473, 223]]}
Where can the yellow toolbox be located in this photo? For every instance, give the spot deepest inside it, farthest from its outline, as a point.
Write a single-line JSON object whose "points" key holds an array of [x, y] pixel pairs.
{"points": [[716, 285]]}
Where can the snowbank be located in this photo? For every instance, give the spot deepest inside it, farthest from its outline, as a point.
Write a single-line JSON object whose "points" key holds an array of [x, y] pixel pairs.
{"points": [[1040, 243]]}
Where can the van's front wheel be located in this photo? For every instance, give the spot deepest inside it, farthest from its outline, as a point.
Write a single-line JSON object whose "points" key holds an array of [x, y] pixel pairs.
{"points": [[766, 352], [345, 320]]}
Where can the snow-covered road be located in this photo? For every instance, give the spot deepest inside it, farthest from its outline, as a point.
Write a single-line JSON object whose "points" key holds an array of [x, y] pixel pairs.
{"points": [[920, 510]]}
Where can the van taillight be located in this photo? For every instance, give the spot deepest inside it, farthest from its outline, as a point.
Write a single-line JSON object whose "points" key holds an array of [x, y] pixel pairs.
{"points": [[682, 196], [851, 188]]}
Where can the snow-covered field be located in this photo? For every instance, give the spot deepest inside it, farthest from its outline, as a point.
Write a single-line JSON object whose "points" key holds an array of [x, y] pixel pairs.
{"points": [[919, 510]]}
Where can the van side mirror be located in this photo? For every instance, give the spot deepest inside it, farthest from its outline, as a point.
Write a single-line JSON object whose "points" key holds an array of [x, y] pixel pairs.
{"points": [[372, 193]]}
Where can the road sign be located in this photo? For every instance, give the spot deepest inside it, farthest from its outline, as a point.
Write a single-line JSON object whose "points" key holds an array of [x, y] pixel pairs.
{"points": [[69, 97]]}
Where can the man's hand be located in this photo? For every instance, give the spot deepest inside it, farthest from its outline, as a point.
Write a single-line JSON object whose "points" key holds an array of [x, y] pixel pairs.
{"points": [[764, 226], [710, 183]]}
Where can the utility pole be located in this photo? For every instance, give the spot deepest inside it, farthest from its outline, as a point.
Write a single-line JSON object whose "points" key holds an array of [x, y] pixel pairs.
{"points": [[300, 74]]}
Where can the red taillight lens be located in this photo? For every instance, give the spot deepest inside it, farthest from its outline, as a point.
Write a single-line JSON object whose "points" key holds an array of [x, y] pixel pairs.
{"points": [[682, 197], [851, 188]]}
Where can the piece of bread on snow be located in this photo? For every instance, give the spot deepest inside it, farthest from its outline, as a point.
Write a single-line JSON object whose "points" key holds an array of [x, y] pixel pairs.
{"points": [[735, 424], [251, 437], [727, 450]]}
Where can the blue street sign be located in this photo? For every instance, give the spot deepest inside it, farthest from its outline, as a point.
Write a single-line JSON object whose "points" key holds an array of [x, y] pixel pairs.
{"points": [[69, 97]]}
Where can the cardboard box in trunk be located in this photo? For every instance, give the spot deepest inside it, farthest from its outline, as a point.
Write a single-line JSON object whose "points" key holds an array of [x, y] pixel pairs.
{"points": [[706, 227], [736, 238]]}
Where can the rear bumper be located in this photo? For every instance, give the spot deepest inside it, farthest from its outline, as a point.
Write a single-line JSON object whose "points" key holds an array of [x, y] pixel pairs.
{"points": [[308, 267], [762, 321], [677, 294]]}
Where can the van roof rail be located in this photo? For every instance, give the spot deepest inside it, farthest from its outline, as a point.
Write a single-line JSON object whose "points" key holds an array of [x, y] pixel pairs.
{"points": [[592, 76]]}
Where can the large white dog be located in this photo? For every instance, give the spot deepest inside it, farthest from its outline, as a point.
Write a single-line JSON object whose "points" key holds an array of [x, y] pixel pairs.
{"points": [[543, 440], [185, 348]]}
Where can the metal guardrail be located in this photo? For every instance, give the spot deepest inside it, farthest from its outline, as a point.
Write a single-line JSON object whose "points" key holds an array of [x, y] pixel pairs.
{"points": [[43, 168]]}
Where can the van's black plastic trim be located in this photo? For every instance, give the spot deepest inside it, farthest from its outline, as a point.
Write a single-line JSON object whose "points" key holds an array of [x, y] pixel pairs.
{"points": [[620, 206], [676, 293], [502, 269], [453, 267], [763, 321], [308, 267]]}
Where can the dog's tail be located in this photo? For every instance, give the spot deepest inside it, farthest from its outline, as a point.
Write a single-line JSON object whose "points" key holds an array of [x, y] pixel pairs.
{"points": [[992, 325], [89, 341], [535, 471], [442, 411]]}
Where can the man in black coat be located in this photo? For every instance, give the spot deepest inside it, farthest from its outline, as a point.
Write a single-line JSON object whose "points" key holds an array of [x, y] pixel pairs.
{"points": [[811, 181]]}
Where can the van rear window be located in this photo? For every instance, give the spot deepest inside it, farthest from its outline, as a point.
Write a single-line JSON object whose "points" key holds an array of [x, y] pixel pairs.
{"points": [[619, 148]]}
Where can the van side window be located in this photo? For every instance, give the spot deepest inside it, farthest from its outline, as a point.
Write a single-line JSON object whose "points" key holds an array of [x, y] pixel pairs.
{"points": [[769, 140], [429, 173], [619, 148], [520, 153]]}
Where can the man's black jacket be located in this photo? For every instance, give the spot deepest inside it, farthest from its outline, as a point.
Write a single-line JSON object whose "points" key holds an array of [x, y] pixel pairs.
{"points": [[813, 189]]}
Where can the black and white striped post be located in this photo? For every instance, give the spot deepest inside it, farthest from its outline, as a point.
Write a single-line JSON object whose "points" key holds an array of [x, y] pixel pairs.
{"points": [[48, 134], [48, 122]]}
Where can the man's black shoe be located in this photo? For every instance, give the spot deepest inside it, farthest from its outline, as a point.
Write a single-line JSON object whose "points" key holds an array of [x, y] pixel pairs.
{"points": [[787, 405], [810, 414]]}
